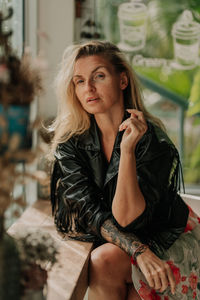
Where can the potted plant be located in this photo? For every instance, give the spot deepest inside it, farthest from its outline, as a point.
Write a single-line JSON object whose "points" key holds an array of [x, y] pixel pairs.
{"points": [[38, 254]]}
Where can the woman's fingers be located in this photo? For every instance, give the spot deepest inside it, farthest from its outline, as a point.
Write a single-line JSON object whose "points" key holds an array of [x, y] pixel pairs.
{"points": [[157, 279], [149, 277], [135, 127], [164, 282], [165, 275], [157, 272], [171, 279], [135, 122], [137, 114]]}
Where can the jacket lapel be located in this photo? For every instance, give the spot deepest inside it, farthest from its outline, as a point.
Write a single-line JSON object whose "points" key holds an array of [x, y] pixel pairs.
{"points": [[114, 162], [90, 143]]}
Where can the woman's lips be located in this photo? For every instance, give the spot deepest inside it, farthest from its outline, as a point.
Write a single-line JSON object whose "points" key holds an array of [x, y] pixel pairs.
{"points": [[92, 99]]}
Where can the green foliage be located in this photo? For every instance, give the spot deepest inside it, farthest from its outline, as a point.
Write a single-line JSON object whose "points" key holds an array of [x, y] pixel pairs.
{"points": [[192, 154], [194, 107], [193, 173], [175, 80], [195, 159]]}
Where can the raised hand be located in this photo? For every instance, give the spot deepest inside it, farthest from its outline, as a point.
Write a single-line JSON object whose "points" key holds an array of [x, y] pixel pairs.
{"points": [[135, 127]]}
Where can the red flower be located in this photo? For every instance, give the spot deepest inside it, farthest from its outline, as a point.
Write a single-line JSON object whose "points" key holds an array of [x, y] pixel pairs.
{"points": [[183, 278], [191, 213], [193, 281], [198, 219], [133, 261], [190, 225], [147, 293], [194, 295], [185, 289], [166, 298], [176, 271]]}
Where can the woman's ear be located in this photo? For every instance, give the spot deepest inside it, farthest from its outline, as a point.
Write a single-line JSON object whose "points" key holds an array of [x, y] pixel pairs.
{"points": [[123, 80]]}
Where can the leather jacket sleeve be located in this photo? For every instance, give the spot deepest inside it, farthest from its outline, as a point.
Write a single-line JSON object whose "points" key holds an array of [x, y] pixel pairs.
{"points": [[77, 202]]}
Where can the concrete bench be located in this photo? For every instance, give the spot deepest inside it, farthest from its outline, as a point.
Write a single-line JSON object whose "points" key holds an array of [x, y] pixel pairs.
{"points": [[68, 280]]}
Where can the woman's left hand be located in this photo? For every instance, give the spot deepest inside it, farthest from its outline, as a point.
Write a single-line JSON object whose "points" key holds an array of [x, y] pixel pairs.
{"points": [[156, 271], [135, 127]]}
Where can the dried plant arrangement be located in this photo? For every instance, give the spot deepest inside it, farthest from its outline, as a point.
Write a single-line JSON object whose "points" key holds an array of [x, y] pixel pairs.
{"points": [[20, 77]]}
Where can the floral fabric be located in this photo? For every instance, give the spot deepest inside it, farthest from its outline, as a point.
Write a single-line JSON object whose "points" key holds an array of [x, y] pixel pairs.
{"points": [[184, 259]]}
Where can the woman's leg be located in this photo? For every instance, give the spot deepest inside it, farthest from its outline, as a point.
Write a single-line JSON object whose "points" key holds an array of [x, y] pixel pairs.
{"points": [[132, 294], [110, 273]]}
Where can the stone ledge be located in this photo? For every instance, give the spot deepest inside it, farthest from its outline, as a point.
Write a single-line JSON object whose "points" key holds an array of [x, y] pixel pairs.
{"points": [[68, 279]]}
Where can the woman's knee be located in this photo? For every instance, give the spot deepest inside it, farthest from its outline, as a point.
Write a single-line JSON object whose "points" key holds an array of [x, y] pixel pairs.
{"points": [[109, 259]]}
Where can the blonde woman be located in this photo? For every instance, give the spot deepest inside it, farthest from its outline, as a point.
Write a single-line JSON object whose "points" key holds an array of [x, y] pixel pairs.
{"points": [[115, 182]]}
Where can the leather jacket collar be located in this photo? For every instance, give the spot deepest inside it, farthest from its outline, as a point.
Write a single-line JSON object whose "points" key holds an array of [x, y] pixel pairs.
{"points": [[90, 140]]}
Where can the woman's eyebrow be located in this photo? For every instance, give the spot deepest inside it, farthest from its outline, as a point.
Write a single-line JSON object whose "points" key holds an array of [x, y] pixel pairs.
{"points": [[93, 71], [99, 67]]}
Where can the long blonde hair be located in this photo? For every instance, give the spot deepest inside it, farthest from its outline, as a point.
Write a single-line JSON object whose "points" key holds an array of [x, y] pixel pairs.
{"points": [[71, 118]]}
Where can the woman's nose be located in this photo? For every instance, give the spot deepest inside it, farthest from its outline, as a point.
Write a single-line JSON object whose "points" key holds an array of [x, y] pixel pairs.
{"points": [[90, 85]]}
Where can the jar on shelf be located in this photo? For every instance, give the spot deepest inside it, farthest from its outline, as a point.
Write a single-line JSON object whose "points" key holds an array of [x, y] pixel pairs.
{"points": [[186, 38], [132, 23]]}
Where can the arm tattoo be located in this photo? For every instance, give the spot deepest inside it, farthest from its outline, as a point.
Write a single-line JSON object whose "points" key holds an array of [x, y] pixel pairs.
{"points": [[125, 240]]}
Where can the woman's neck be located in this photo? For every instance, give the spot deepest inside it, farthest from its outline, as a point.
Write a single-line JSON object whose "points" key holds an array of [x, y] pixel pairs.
{"points": [[109, 124]]}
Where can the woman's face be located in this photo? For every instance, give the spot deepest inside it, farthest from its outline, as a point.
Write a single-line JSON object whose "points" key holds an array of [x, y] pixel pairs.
{"points": [[98, 87]]}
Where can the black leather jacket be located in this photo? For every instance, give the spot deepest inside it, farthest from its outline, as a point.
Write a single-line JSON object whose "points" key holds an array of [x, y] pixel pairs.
{"points": [[82, 189]]}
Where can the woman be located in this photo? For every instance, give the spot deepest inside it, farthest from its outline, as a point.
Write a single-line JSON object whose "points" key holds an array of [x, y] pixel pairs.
{"points": [[115, 182]]}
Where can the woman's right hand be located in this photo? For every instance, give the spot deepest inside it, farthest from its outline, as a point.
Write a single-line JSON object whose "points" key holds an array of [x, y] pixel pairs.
{"points": [[134, 128], [156, 271]]}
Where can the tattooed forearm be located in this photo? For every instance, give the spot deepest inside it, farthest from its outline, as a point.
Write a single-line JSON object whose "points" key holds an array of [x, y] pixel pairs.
{"points": [[126, 241]]}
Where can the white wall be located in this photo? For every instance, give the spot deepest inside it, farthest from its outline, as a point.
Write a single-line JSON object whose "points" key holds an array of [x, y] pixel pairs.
{"points": [[56, 20]]}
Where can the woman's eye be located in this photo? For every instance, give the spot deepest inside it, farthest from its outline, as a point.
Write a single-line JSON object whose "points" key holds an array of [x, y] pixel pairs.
{"points": [[77, 82], [99, 76]]}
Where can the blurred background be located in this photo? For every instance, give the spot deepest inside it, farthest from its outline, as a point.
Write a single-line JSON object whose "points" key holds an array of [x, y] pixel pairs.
{"points": [[161, 40]]}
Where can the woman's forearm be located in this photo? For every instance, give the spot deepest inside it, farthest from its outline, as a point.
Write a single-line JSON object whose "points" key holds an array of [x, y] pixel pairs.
{"points": [[124, 240], [128, 202]]}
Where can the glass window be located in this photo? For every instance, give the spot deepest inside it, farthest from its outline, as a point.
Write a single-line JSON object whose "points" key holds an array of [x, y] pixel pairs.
{"points": [[15, 23]]}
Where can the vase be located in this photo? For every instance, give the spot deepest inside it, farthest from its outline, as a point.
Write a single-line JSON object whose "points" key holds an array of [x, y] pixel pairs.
{"points": [[14, 121], [34, 282], [9, 266]]}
